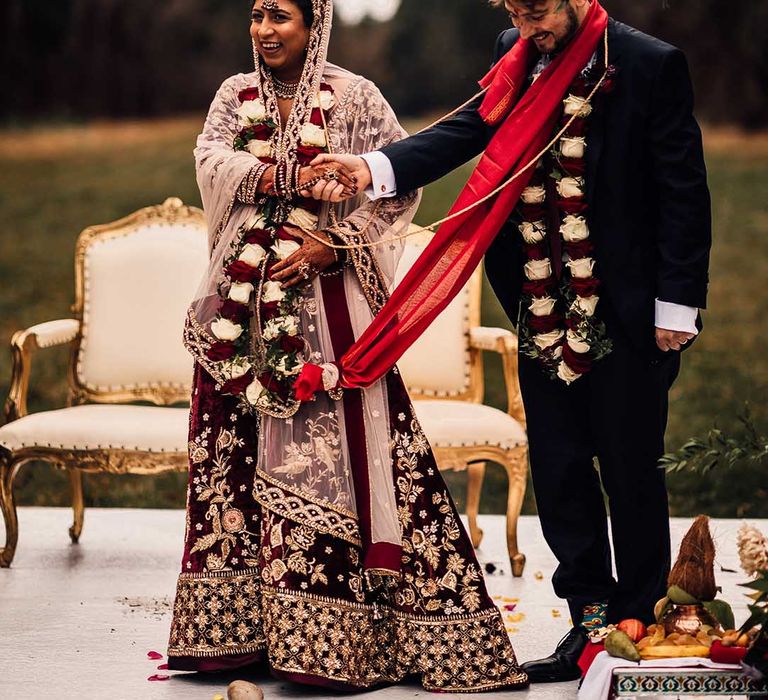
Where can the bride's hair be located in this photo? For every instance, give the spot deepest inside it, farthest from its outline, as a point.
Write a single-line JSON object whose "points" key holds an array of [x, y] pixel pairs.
{"points": [[306, 9]]}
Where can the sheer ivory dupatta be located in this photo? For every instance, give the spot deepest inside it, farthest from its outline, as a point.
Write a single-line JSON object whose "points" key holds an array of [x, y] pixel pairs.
{"points": [[329, 465]]}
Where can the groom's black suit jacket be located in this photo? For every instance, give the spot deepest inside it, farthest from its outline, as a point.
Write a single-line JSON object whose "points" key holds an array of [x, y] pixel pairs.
{"points": [[649, 205]]}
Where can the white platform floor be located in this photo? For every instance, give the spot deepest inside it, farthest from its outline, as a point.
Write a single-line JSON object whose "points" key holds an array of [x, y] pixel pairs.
{"points": [[76, 622]]}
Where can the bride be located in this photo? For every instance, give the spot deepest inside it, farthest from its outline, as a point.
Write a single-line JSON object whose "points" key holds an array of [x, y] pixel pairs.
{"points": [[321, 539]]}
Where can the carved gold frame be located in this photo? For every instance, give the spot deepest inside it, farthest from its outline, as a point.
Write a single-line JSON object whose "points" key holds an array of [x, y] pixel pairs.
{"points": [[72, 331]]}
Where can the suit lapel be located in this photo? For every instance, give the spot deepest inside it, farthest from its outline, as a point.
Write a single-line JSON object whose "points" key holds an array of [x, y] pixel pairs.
{"points": [[597, 125]]}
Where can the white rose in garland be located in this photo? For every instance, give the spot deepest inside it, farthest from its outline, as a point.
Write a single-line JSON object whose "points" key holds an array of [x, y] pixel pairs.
{"points": [[240, 292], [252, 112], [582, 268], [574, 229], [576, 342], [303, 219], [573, 147], [272, 292], [569, 187], [256, 220], [284, 249], [276, 327], [538, 269], [225, 330], [281, 366], [542, 306], [272, 329], [290, 325], [565, 373], [547, 340], [252, 255], [585, 305], [577, 105], [325, 100], [260, 149], [254, 391], [235, 370], [533, 231], [534, 195], [312, 135]]}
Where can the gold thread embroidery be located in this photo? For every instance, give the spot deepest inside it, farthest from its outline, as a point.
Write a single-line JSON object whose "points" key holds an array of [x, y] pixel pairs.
{"points": [[303, 509]]}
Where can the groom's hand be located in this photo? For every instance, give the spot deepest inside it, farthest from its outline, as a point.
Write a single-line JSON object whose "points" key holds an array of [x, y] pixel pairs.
{"points": [[354, 165], [671, 340]]}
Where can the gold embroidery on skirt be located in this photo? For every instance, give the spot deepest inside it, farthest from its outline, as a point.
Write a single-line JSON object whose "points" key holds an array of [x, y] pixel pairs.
{"points": [[217, 615], [343, 641]]}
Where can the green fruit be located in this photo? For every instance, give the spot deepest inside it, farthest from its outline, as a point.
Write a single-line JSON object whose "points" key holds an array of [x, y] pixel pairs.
{"points": [[679, 597], [661, 607], [618, 644], [722, 612]]}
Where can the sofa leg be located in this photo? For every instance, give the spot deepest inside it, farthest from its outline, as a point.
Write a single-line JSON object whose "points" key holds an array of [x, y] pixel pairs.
{"points": [[517, 470], [78, 504], [8, 471], [475, 477]]}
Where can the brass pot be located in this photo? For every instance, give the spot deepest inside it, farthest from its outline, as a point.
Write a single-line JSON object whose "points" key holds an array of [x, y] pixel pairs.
{"points": [[687, 619]]}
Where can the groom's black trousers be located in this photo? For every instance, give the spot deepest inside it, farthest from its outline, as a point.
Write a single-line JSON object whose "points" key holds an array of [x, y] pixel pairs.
{"points": [[617, 413]]}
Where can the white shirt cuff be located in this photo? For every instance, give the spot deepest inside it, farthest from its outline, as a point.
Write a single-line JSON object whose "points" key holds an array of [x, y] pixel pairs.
{"points": [[383, 179], [675, 317]]}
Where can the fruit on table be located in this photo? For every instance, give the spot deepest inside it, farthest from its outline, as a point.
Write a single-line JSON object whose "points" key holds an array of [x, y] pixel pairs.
{"points": [[658, 645], [634, 629], [674, 651], [618, 644], [679, 597]]}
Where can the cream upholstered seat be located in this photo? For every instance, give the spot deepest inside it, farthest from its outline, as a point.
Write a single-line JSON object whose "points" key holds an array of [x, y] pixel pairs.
{"points": [[101, 427], [444, 374], [134, 281]]}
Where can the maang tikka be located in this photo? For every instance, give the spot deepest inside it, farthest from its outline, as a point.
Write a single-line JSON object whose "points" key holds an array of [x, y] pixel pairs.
{"points": [[270, 5]]}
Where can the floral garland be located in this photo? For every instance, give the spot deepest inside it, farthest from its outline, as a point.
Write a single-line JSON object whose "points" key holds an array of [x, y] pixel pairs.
{"points": [[559, 327], [263, 369]]}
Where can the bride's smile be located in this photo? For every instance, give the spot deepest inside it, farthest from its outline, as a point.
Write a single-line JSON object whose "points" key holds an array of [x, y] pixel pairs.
{"points": [[280, 32]]}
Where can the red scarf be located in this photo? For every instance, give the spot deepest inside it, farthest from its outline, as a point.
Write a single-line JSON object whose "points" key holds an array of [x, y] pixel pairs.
{"points": [[457, 248]]}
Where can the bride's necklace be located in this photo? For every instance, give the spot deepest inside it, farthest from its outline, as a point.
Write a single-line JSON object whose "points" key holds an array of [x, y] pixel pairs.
{"points": [[285, 91]]}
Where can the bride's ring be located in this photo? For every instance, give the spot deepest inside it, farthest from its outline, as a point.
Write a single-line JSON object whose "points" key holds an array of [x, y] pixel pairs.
{"points": [[305, 270], [331, 175]]}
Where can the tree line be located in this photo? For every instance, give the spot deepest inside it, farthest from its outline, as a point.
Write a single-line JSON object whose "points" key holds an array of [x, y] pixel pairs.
{"points": [[79, 59]]}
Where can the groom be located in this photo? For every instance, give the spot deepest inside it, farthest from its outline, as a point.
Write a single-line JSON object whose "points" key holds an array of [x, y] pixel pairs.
{"points": [[603, 267]]}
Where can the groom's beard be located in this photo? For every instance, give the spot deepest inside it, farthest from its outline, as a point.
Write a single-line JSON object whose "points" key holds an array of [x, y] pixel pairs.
{"points": [[570, 30]]}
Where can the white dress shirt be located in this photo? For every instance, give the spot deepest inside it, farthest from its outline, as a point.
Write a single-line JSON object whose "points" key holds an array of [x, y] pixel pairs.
{"points": [[669, 316]]}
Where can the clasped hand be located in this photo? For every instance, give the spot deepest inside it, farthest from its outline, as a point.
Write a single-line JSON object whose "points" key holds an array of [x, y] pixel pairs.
{"points": [[349, 169], [307, 262]]}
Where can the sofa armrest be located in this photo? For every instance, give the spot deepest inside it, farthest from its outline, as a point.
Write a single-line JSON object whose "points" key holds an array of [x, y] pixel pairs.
{"points": [[23, 345], [503, 342]]}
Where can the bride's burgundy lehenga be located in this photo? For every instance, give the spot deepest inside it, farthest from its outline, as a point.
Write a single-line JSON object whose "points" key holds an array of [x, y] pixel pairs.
{"points": [[323, 541], [294, 592]]}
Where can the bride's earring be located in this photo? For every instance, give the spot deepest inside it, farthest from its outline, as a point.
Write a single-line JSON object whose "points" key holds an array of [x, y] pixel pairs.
{"points": [[255, 55]]}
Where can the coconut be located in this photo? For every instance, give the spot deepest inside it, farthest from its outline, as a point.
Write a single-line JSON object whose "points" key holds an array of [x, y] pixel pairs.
{"points": [[694, 570]]}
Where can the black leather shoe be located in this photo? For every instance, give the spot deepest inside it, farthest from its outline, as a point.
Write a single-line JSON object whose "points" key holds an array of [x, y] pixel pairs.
{"points": [[563, 664]]}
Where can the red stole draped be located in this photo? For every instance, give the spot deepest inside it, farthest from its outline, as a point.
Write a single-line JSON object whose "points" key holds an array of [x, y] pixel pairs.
{"points": [[457, 248]]}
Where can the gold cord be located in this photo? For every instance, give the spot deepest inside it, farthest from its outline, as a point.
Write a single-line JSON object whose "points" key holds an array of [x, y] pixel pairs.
{"points": [[474, 205]]}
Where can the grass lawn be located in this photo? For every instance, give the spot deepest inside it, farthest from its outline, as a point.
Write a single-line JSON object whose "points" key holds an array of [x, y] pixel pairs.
{"points": [[55, 182]]}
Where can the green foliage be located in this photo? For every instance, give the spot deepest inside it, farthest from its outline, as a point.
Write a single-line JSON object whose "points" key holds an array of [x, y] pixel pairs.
{"points": [[720, 450]]}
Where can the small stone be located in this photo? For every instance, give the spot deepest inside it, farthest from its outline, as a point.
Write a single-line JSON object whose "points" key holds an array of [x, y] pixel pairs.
{"points": [[539, 576], [242, 690]]}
